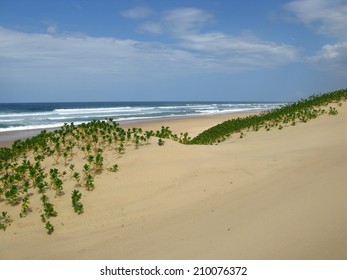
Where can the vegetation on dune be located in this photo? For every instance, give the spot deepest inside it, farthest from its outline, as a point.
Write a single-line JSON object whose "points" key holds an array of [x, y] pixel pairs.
{"points": [[290, 114], [5, 221], [39, 166], [76, 203]]}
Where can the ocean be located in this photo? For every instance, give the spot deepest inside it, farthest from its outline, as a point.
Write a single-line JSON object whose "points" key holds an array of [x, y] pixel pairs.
{"points": [[27, 116]]}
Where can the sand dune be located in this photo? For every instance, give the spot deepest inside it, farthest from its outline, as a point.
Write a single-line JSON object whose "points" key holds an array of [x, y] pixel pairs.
{"points": [[278, 194]]}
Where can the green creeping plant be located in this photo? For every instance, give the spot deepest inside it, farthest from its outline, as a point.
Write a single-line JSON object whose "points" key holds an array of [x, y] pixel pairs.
{"points": [[77, 177], [161, 142], [113, 168], [300, 111], [99, 162], [75, 199], [56, 182], [12, 195], [49, 210], [332, 111], [25, 207], [5, 221], [49, 227], [89, 184]]}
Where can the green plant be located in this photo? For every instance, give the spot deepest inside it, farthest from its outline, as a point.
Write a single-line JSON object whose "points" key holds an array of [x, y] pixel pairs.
{"points": [[49, 227], [5, 221], [161, 142], [49, 210], [86, 169], [77, 177], [72, 169], [42, 187], [25, 207], [39, 181], [43, 218], [113, 168], [148, 135], [99, 161], [89, 184], [333, 111], [90, 159], [12, 195], [44, 198], [75, 198], [121, 149], [137, 141], [165, 132], [65, 155], [184, 139], [56, 182]]}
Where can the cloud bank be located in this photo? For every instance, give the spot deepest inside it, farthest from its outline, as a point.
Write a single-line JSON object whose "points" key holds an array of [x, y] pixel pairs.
{"points": [[193, 50]]}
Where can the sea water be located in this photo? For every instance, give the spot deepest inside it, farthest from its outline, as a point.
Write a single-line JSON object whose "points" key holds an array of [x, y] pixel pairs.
{"points": [[26, 116]]}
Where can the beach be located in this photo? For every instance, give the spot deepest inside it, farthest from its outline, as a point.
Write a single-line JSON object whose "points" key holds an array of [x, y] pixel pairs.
{"points": [[278, 194]]}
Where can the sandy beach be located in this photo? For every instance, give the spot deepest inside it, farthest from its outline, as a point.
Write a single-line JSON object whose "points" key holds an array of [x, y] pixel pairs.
{"points": [[278, 194]]}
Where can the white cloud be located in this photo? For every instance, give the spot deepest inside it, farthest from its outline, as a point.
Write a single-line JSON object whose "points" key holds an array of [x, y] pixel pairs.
{"points": [[248, 50], [193, 49], [333, 56], [139, 12], [66, 55], [186, 20], [333, 51], [151, 27], [187, 26], [52, 29], [328, 17], [178, 22]]}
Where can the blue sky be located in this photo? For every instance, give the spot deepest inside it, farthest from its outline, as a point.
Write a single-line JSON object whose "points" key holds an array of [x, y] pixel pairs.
{"points": [[144, 50]]}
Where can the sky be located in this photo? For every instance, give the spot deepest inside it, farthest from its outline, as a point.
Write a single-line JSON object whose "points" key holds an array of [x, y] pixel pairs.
{"points": [[174, 50]]}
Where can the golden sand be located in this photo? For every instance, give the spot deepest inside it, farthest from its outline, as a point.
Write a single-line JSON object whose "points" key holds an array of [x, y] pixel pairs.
{"points": [[278, 194]]}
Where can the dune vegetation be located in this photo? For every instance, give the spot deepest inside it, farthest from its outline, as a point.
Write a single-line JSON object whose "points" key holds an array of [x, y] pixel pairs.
{"points": [[41, 165], [66, 161], [290, 114]]}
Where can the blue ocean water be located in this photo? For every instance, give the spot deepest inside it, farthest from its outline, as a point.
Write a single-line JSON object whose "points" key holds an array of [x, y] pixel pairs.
{"points": [[26, 116]]}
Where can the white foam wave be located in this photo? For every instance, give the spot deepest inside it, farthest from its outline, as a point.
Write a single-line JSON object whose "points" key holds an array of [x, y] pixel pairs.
{"points": [[213, 112], [140, 119], [12, 120], [31, 127], [84, 111], [191, 107], [24, 115]]}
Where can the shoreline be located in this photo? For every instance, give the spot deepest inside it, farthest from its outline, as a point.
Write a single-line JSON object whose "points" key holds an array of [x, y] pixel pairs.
{"points": [[8, 137]]}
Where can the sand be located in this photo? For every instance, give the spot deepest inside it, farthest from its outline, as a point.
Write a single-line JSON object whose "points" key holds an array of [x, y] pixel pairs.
{"points": [[278, 194]]}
